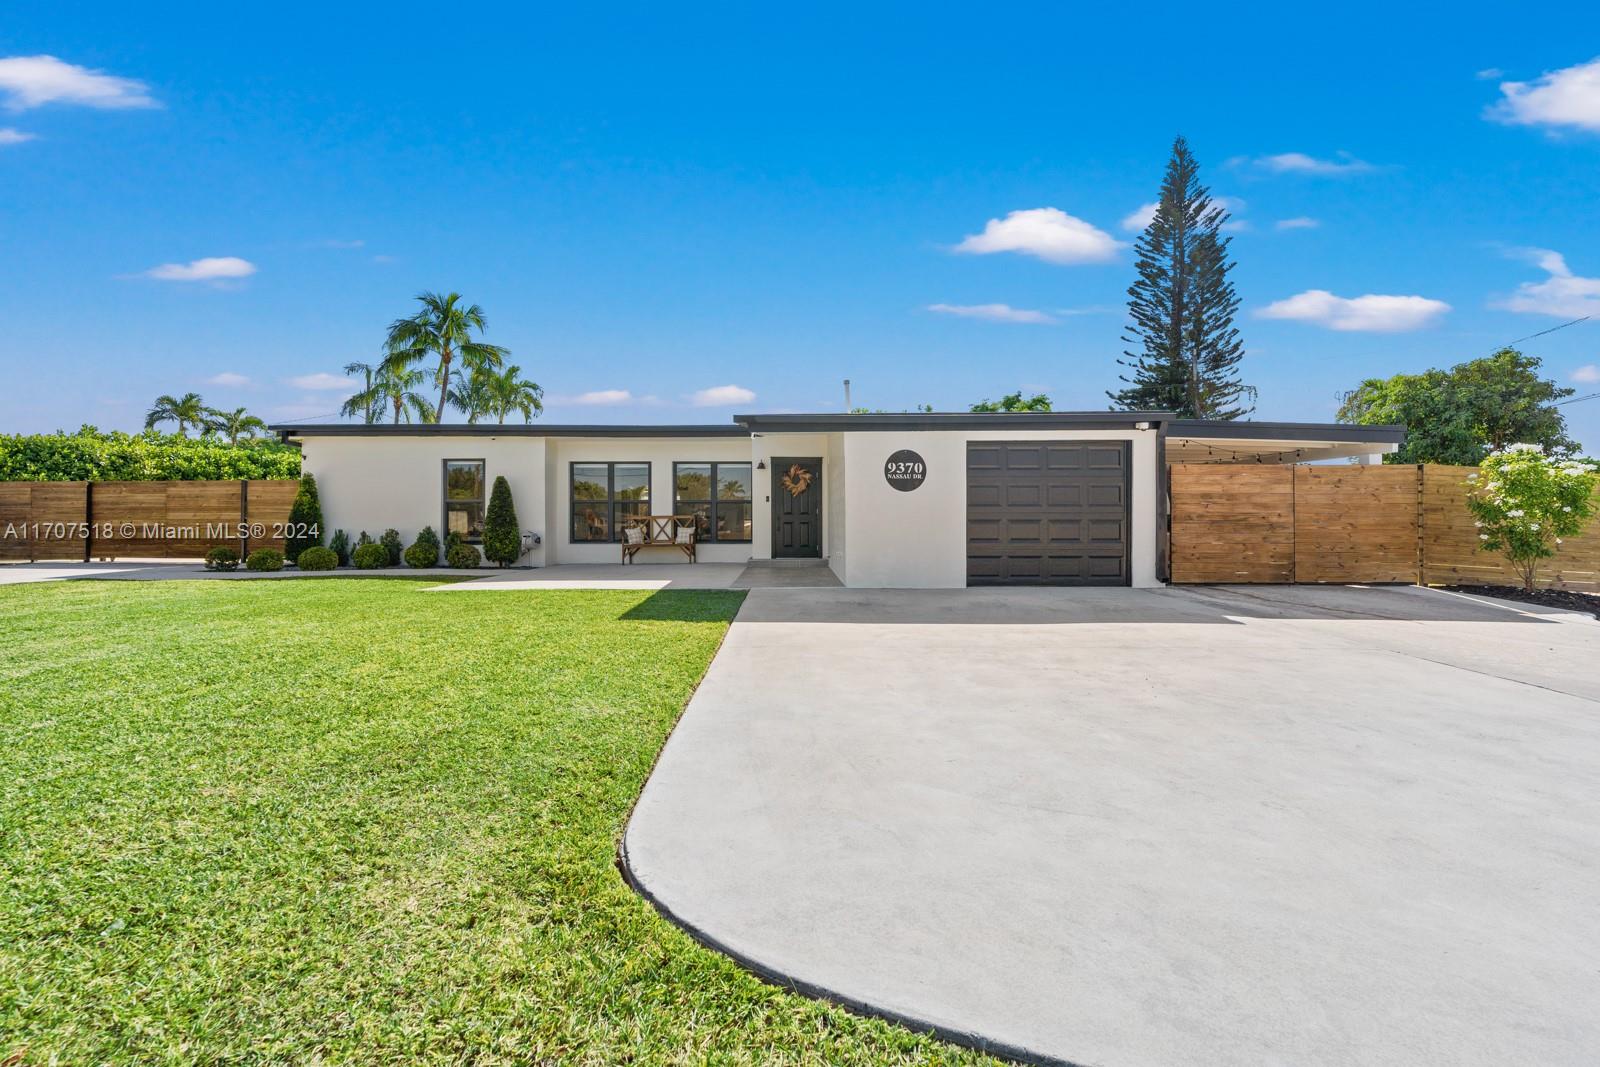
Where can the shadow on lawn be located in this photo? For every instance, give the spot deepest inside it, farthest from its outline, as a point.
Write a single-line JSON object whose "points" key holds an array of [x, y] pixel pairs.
{"points": [[686, 605]]}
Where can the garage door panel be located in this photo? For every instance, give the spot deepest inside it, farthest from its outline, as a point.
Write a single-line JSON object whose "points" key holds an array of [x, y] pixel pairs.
{"points": [[1047, 513]]}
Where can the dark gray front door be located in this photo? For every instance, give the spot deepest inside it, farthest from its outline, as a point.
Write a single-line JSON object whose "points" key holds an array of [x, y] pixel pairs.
{"points": [[797, 508], [1047, 513]]}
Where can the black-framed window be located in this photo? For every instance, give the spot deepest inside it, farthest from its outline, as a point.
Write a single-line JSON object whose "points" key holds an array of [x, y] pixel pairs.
{"points": [[718, 495], [464, 496], [605, 497]]}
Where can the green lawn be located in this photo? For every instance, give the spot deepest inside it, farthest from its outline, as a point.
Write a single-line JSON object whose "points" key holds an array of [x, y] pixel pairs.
{"points": [[353, 821]]}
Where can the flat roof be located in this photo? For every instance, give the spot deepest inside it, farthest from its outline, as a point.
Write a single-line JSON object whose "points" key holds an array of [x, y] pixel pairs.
{"points": [[835, 422]]}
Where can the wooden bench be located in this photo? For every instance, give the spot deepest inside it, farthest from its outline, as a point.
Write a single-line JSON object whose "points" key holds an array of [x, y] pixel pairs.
{"points": [[660, 531]]}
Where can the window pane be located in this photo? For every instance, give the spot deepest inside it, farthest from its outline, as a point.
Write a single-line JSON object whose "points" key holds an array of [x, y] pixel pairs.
{"points": [[590, 521], [631, 481], [463, 481], [733, 481], [733, 521], [465, 519], [693, 481], [589, 481], [628, 510], [702, 519]]}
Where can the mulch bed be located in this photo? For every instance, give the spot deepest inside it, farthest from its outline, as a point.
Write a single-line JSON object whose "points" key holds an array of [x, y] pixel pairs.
{"points": [[1550, 598]]}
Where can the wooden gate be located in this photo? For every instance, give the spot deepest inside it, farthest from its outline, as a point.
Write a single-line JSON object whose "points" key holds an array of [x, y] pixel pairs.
{"points": [[141, 520]]}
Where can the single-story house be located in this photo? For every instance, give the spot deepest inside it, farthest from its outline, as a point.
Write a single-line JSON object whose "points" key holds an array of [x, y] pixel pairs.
{"points": [[903, 501]]}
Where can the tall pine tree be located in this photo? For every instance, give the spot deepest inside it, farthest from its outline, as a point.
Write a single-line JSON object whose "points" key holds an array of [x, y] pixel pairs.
{"points": [[1182, 307]]}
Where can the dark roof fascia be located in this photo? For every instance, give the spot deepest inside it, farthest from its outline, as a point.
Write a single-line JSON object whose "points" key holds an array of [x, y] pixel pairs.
{"points": [[839, 422], [437, 429], [1212, 429]]}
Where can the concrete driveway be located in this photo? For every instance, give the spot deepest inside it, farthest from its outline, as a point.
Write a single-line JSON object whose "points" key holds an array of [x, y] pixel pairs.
{"points": [[1244, 825]]}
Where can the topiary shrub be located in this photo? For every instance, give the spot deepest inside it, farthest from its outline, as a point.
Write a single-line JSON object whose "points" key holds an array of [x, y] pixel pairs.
{"points": [[502, 534], [364, 539], [463, 556], [317, 558], [222, 558], [369, 557], [393, 545], [424, 552], [264, 559], [341, 547], [305, 520]]}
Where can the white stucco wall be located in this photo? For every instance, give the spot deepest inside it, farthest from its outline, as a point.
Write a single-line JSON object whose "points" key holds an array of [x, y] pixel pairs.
{"points": [[918, 539], [375, 483], [661, 453]]}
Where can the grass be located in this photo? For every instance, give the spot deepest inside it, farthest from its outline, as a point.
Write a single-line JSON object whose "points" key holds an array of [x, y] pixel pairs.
{"points": [[341, 821]]}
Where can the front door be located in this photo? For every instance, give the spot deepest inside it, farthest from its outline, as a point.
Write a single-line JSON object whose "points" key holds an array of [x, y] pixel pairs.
{"points": [[797, 508]]}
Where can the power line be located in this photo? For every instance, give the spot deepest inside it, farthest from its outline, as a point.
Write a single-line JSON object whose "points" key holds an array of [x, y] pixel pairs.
{"points": [[1541, 333], [1576, 400]]}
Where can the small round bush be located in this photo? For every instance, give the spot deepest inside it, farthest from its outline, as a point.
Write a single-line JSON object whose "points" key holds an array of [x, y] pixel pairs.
{"points": [[422, 554], [264, 559], [222, 558], [463, 556], [370, 557], [317, 558]]}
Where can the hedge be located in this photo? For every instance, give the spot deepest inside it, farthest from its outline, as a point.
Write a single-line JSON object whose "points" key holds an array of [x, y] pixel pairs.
{"points": [[94, 456]]}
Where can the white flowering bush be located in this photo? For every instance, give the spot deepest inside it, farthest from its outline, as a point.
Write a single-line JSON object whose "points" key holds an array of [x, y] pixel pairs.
{"points": [[1524, 503]]}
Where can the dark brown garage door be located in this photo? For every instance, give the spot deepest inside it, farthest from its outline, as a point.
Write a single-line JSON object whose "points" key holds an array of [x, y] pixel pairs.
{"points": [[1047, 513]]}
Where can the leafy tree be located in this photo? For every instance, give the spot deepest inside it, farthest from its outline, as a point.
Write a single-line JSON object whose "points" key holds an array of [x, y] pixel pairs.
{"points": [[510, 392], [1014, 402], [186, 411], [305, 513], [442, 329], [502, 534], [1460, 415], [1182, 306], [1524, 503], [233, 424]]}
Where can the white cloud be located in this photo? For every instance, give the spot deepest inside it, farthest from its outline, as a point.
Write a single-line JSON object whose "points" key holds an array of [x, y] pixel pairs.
{"points": [[1299, 222], [1140, 217], [1370, 313], [1300, 163], [720, 396], [994, 313], [210, 269], [1489, 74], [602, 397], [229, 380], [321, 382], [1046, 232], [1589, 373], [32, 81], [1563, 294], [335, 243], [12, 135], [1567, 97]]}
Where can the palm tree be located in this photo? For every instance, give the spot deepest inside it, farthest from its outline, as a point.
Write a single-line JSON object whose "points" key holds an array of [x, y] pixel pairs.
{"points": [[471, 394], [443, 329], [389, 386], [509, 391], [232, 424], [365, 403], [187, 410]]}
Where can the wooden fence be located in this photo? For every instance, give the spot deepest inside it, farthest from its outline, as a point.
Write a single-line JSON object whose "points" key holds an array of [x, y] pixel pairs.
{"points": [[140, 520], [1269, 523]]}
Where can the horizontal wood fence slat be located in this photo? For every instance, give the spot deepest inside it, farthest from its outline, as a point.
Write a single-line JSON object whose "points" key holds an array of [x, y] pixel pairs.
{"points": [[140, 520], [1274, 524]]}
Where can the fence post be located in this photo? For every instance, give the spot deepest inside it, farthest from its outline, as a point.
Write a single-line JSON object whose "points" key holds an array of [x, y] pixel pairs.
{"points": [[88, 519], [244, 517], [1422, 517]]}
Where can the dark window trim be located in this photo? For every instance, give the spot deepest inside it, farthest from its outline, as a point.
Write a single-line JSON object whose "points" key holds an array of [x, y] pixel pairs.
{"points": [[750, 500], [614, 533], [444, 496]]}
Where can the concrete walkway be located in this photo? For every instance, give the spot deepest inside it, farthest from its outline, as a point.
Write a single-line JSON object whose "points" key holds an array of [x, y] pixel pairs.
{"points": [[1301, 826]]}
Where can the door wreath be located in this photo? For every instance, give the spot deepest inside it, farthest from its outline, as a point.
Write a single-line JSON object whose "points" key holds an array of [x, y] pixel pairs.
{"points": [[797, 480]]}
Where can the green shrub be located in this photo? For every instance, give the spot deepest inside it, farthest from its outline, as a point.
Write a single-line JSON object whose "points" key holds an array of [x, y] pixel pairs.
{"points": [[464, 556], [317, 558], [502, 534], [341, 547], [305, 520], [264, 559], [92, 456], [451, 540], [393, 545], [222, 558], [369, 557], [364, 539], [424, 552], [1524, 503]]}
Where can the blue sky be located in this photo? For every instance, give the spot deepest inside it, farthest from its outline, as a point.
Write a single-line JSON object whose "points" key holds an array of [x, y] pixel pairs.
{"points": [[654, 204]]}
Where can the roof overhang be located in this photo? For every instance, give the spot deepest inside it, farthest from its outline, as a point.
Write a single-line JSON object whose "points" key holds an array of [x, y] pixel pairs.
{"points": [[962, 420], [1193, 441], [446, 429]]}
